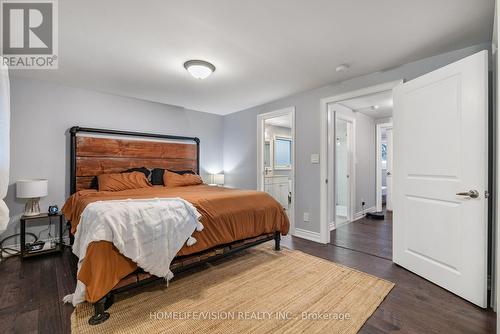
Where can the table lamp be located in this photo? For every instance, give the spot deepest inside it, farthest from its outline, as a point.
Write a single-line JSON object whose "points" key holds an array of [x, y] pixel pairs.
{"points": [[32, 189], [219, 179]]}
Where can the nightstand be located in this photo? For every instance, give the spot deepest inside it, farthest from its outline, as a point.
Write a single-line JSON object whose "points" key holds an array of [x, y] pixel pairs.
{"points": [[58, 247]]}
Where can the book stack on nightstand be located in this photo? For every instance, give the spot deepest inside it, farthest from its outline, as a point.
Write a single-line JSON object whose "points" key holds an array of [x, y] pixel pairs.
{"points": [[39, 248]]}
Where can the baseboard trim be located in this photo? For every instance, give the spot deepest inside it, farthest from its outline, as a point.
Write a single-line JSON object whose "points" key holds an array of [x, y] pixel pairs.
{"points": [[343, 223], [308, 235], [359, 215]]}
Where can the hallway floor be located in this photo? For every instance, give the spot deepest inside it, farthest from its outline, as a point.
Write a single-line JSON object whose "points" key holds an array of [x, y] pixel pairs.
{"points": [[370, 236]]}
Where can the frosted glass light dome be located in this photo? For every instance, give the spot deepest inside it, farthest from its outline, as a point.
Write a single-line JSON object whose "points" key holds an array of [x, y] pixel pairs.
{"points": [[199, 69]]}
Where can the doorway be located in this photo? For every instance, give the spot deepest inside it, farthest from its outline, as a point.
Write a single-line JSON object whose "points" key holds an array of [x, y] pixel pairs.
{"points": [[276, 158], [359, 177], [327, 193]]}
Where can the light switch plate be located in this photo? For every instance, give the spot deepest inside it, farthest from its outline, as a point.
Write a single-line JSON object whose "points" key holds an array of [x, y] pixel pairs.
{"points": [[315, 158], [306, 216]]}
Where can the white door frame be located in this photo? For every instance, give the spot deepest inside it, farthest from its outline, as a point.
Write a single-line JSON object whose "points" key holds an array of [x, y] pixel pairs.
{"points": [[380, 126], [260, 156], [324, 160], [332, 191]]}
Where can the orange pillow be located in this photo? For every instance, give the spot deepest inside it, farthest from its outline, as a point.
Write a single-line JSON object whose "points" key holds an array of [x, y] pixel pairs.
{"points": [[172, 180], [122, 181]]}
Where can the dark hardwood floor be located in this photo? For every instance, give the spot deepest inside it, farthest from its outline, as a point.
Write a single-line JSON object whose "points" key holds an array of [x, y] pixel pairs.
{"points": [[370, 236], [31, 291]]}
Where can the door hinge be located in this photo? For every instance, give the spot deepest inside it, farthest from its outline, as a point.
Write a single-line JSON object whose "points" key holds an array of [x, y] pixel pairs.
{"points": [[486, 194], [326, 180]]}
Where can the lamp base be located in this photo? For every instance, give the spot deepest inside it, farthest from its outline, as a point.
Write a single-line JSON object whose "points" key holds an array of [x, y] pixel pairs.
{"points": [[32, 207]]}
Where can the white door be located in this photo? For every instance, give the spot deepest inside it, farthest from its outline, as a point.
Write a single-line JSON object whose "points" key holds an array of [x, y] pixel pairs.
{"points": [[440, 177], [388, 179]]}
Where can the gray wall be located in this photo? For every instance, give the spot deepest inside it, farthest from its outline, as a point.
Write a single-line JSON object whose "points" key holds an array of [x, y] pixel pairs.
{"points": [[43, 112], [366, 167], [240, 132]]}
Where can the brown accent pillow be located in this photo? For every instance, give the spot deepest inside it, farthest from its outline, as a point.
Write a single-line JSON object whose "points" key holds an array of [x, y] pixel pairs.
{"points": [[95, 184], [172, 180], [157, 175], [122, 181]]}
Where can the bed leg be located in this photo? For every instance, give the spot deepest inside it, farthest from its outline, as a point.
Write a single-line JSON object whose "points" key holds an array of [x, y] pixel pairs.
{"points": [[71, 236], [100, 307], [277, 239]]}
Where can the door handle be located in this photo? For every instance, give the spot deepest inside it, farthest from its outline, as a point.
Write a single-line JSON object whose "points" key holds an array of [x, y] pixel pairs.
{"points": [[470, 193]]}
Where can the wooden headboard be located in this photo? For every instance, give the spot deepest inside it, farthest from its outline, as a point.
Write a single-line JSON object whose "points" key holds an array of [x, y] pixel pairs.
{"points": [[100, 151]]}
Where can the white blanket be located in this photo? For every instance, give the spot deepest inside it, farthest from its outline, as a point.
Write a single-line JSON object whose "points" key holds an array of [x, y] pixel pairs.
{"points": [[150, 232]]}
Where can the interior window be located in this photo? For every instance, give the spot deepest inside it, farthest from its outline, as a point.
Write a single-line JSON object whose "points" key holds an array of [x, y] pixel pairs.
{"points": [[282, 153], [384, 155]]}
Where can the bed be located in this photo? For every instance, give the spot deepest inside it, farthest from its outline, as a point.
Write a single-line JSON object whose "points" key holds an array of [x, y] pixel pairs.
{"points": [[233, 219]]}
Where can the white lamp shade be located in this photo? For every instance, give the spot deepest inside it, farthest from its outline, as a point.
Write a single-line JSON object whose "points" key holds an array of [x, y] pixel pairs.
{"points": [[32, 188], [219, 178]]}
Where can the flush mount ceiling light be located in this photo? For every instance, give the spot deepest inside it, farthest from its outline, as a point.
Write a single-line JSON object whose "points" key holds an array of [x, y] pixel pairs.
{"points": [[199, 69], [342, 68]]}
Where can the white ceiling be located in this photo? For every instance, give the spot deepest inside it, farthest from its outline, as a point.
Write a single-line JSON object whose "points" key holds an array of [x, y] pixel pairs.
{"points": [[263, 50], [283, 121], [365, 104]]}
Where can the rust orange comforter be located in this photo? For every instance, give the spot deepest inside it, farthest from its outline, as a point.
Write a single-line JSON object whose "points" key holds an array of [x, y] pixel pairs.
{"points": [[227, 214]]}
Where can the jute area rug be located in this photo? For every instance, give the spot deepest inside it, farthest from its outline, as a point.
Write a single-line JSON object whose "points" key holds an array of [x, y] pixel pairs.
{"points": [[258, 291]]}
